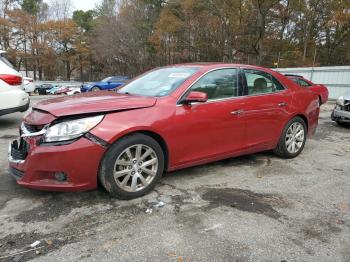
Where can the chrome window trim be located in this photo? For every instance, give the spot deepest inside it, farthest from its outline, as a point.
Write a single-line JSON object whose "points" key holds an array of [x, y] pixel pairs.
{"points": [[264, 94], [200, 77]]}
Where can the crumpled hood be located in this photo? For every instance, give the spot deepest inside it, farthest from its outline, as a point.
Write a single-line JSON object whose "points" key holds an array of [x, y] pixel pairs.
{"points": [[96, 102]]}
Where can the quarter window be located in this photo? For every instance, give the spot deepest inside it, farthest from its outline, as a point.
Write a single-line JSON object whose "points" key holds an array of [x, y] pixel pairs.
{"points": [[219, 84], [259, 82]]}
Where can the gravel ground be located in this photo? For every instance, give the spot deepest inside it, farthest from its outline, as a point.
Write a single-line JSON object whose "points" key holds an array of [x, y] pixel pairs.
{"points": [[251, 208]]}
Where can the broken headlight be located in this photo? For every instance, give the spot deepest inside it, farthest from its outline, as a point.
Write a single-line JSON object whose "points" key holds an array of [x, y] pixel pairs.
{"points": [[71, 129]]}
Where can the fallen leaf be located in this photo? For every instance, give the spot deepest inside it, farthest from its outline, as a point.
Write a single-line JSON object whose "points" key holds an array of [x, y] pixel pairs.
{"points": [[344, 207], [48, 241], [109, 244], [339, 221]]}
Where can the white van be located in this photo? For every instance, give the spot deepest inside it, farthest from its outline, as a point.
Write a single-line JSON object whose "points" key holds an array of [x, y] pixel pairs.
{"points": [[12, 97]]}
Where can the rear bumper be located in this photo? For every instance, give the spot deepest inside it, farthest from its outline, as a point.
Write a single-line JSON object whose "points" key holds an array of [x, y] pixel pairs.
{"points": [[16, 109], [340, 115], [79, 161]]}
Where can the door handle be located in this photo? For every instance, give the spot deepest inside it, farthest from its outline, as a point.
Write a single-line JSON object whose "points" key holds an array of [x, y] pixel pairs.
{"points": [[282, 104], [236, 112]]}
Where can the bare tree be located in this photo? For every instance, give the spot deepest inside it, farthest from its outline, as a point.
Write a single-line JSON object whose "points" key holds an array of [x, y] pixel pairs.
{"points": [[60, 9]]}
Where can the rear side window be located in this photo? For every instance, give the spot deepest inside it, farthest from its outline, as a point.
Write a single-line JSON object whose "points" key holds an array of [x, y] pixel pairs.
{"points": [[118, 79], [259, 82], [303, 83], [218, 84], [5, 61]]}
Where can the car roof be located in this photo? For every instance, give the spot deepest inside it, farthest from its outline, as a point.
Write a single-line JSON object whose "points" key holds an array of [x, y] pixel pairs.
{"points": [[213, 65]]}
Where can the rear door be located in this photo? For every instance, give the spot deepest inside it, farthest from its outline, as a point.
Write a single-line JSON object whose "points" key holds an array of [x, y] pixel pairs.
{"points": [[265, 109]]}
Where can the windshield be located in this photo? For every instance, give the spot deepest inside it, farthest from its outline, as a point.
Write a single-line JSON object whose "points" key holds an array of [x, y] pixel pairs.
{"points": [[107, 79], [159, 82]]}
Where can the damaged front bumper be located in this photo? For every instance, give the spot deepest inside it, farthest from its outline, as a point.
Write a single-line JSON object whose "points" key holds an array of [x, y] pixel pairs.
{"points": [[53, 167], [340, 115]]}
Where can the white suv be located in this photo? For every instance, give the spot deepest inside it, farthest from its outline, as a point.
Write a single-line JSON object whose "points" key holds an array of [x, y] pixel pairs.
{"points": [[12, 97]]}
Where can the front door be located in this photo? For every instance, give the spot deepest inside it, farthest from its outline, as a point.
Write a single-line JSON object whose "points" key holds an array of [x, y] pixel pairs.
{"points": [[213, 128]]}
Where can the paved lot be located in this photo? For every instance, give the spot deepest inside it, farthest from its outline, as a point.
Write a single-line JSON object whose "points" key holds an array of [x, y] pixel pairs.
{"points": [[252, 208]]}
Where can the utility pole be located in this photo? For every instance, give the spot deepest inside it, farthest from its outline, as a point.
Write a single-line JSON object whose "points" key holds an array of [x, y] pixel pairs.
{"points": [[313, 64]]}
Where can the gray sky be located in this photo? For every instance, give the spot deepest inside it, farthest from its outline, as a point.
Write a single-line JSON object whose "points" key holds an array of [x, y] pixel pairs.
{"points": [[85, 4]]}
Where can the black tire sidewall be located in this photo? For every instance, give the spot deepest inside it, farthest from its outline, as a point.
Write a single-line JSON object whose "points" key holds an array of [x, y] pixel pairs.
{"points": [[107, 165]]}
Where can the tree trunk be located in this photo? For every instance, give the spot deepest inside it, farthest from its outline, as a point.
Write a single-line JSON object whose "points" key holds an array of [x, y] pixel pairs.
{"points": [[68, 71]]}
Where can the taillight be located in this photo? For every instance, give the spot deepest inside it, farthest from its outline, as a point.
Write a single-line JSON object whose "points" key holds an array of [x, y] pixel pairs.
{"points": [[12, 80]]}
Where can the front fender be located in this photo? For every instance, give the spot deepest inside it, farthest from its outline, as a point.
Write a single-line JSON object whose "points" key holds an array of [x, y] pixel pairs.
{"points": [[118, 124]]}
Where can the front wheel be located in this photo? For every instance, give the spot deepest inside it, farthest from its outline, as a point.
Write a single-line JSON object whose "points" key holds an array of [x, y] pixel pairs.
{"points": [[132, 166], [95, 88], [293, 139]]}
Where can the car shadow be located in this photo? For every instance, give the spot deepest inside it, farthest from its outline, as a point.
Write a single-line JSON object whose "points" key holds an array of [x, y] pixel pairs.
{"points": [[8, 122], [257, 159]]}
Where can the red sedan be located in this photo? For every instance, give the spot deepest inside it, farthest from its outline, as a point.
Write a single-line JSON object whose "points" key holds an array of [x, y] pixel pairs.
{"points": [[319, 89], [167, 119]]}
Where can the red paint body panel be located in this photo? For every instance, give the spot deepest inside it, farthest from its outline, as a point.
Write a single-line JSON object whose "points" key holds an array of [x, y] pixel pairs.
{"points": [[322, 91], [38, 118], [193, 134], [79, 161], [319, 89]]}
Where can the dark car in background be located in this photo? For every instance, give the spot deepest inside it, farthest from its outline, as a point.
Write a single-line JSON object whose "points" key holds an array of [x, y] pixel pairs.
{"points": [[43, 88], [321, 90], [108, 83]]}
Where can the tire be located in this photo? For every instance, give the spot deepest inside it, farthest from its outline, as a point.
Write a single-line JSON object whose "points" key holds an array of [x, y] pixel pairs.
{"points": [[284, 149], [342, 124], [117, 161], [95, 88]]}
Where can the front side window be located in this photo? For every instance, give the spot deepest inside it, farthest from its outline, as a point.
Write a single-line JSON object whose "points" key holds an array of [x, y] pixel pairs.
{"points": [[259, 82], [159, 82], [108, 79], [219, 84]]}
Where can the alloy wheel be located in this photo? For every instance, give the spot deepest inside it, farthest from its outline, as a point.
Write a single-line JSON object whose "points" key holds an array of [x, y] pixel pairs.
{"points": [[135, 168], [295, 137]]}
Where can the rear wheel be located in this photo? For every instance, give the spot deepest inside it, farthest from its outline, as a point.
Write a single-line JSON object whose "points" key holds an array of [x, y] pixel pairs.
{"points": [[132, 166], [340, 123], [293, 139]]}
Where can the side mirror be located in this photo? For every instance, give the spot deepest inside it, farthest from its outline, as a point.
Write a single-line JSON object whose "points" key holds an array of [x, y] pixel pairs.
{"points": [[196, 97]]}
